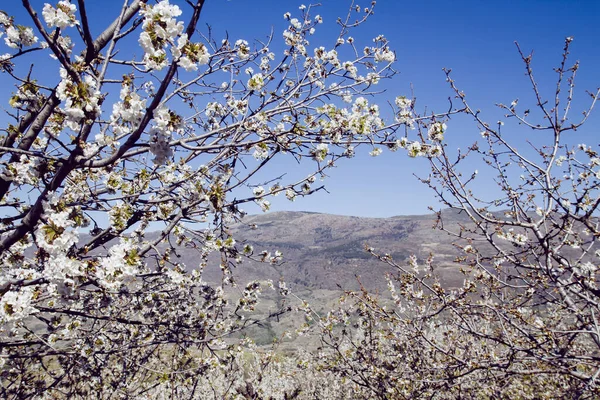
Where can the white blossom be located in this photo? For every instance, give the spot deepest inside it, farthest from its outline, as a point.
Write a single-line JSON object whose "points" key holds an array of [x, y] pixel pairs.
{"points": [[61, 16], [16, 305], [320, 152], [385, 55], [19, 36], [436, 131]]}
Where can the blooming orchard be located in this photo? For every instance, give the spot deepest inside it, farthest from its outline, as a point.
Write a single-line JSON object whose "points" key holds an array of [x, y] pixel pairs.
{"points": [[114, 161], [113, 157]]}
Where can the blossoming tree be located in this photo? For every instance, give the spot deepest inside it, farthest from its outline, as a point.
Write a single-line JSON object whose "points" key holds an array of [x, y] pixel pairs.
{"points": [[120, 148], [525, 322], [109, 162]]}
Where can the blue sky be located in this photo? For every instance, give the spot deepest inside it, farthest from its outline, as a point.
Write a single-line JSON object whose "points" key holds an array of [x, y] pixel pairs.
{"points": [[473, 38]]}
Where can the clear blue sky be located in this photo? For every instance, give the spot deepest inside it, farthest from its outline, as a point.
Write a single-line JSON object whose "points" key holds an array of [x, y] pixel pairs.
{"points": [[474, 38]]}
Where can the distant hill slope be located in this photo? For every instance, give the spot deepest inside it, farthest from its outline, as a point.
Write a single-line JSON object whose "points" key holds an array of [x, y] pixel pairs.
{"points": [[323, 255], [323, 251]]}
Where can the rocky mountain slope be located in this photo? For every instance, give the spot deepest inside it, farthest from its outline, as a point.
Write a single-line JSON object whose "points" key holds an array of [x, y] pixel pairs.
{"points": [[323, 251]]}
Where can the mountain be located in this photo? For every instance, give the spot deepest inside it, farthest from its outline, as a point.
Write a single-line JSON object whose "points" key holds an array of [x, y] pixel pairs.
{"points": [[323, 251], [323, 256], [328, 252]]}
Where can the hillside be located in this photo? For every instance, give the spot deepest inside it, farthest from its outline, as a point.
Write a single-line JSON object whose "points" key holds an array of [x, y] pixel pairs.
{"points": [[323, 251], [325, 254]]}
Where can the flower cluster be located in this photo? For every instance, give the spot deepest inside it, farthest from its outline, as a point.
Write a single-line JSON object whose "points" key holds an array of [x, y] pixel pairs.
{"points": [[320, 152], [25, 171], [17, 36], [166, 122], [436, 131], [61, 16], [189, 55], [241, 47], [362, 119], [417, 148], [519, 239], [16, 305], [405, 112], [160, 28], [256, 82], [128, 112], [28, 97], [119, 215], [81, 99], [120, 266], [383, 54]]}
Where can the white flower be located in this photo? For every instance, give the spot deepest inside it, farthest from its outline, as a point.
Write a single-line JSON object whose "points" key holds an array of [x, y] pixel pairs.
{"points": [[62, 269], [127, 113], [4, 20], [256, 82], [159, 146], [19, 36], [16, 305], [175, 276], [359, 104], [258, 191], [187, 64], [586, 269], [375, 152], [295, 23], [61, 16], [243, 50], [436, 132], [260, 153], [52, 240], [351, 68], [78, 103], [145, 41], [403, 102], [158, 30], [385, 55], [189, 54], [61, 219], [434, 151], [265, 205], [120, 265], [402, 142], [414, 149], [516, 238], [23, 172], [320, 152], [373, 78], [290, 194]]}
